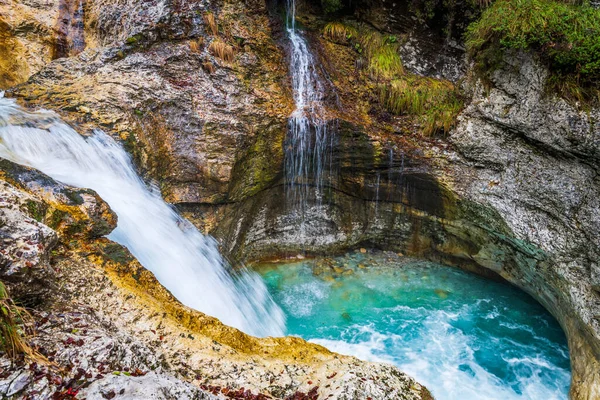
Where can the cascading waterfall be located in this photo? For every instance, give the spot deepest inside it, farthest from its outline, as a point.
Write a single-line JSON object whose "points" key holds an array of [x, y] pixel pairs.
{"points": [[186, 262], [306, 156]]}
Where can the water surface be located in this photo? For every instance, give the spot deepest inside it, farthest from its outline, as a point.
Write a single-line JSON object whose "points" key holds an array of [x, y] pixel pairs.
{"points": [[462, 336]]}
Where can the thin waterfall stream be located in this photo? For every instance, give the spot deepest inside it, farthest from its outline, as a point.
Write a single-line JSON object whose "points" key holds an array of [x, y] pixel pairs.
{"points": [[460, 335], [308, 140], [186, 262]]}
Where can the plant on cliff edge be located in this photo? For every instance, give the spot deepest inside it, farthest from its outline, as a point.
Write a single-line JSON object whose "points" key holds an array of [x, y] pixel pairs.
{"points": [[211, 21], [432, 103], [564, 36], [339, 33]]}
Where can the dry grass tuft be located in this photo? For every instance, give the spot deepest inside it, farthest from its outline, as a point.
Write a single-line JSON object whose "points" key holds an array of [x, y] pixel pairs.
{"points": [[196, 45], [338, 32], [13, 328], [219, 48], [211, 21], [208, 67]]}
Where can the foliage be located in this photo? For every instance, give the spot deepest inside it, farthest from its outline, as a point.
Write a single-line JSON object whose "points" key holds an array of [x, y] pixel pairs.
{"points": [[450, 17], [339, 33], [385, 62], [434, 103], [12, 331], [331, 6], [565, 36]]}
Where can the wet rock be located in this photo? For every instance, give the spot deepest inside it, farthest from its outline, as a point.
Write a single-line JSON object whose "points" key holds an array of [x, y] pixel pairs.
{"points": [[110, 329]]}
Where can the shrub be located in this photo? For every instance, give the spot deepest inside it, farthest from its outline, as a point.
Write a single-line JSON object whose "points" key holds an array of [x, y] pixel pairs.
{"points": [[219, 48], [565, 36]]}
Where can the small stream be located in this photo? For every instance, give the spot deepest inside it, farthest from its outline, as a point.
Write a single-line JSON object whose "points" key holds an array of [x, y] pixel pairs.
{"points": [[462, 336]]}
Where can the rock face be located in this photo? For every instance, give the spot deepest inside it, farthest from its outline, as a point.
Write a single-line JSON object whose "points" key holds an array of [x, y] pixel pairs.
{"points": [[534, 159], [189, 117], [27, 38]]}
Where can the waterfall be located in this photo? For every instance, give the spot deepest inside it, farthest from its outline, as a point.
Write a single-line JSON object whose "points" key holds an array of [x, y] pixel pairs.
{"points": [[186, 262], [307, 160]]}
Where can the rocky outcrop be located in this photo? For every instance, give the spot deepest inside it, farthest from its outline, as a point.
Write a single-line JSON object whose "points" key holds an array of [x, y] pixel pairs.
{"points": [[27, 38], [189, 117]]}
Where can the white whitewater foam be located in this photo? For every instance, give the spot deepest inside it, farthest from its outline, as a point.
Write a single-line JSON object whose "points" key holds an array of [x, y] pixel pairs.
{"points": [[455, 374], [186, 262]]}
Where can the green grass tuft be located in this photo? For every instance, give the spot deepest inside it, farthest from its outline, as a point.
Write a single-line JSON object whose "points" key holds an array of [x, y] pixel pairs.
{"points": [[385, 62], [434, 102]]}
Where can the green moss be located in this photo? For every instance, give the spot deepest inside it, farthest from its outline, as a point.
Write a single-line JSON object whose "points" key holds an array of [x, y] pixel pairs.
{"points": [[76, 228], [117, 253], [565, 36], [36, 210], [56, 218], [134, 40], [260, 165], [74, 196]]}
